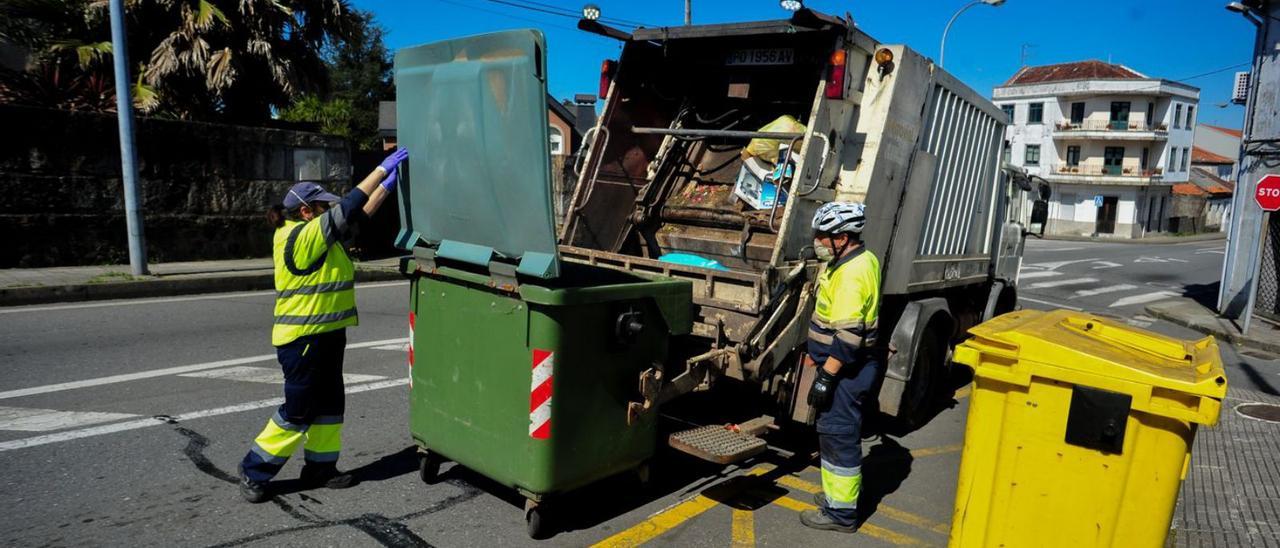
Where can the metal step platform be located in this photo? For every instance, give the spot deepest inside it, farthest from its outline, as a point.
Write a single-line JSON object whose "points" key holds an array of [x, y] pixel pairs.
{"points": [[717, 443]]}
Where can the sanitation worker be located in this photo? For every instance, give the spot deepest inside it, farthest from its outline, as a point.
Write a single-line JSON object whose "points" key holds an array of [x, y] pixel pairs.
{"points": [[315, 303], [841, 340]]}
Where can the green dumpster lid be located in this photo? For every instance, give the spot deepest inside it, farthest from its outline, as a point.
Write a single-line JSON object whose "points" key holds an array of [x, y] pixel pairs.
{"points": [[473, 114]]}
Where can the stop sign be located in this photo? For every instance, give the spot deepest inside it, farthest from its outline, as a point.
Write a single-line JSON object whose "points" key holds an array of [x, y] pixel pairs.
{"points": [[1268, 195]]}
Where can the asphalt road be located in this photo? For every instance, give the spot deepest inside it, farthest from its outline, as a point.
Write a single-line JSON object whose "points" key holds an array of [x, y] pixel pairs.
{"points": [[121, 423]]}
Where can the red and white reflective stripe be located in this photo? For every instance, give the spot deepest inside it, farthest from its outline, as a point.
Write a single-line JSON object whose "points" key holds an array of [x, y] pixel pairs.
{"points": [[540, 395], [412, 317]]}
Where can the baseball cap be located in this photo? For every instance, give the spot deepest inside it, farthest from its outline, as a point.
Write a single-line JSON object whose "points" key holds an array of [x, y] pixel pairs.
{"points": [[307, 192]]}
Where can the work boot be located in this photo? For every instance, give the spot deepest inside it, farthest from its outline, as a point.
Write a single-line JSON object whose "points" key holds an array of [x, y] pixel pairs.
{"points": [[820, 499], [252, 491], [326, 476], [817, 519]]}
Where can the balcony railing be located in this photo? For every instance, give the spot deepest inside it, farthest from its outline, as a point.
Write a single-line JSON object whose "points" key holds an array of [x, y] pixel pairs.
{"points": [[1110, 125], [1094, 170]]}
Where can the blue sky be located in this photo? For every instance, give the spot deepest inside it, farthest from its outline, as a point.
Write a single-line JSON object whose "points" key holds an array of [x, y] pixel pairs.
{"points": [[1171, 39]]}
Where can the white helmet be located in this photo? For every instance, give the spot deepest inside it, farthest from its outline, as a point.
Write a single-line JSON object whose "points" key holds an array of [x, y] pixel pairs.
{"points": [[840, 217]]}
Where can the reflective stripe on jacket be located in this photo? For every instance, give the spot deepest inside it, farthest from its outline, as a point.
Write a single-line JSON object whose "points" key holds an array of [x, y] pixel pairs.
{"points": [[847, 310], [314, 279]]}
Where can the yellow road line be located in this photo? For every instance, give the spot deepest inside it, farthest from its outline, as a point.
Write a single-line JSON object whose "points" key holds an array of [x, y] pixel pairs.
{"points": [[964, 392], [659, 523], [744, 529], [941, 450], [890, 512], [866, 528]]}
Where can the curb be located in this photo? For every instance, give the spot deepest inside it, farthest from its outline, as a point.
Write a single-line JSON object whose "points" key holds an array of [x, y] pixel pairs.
{"points": [[1214, 328], [1158, 240], [20, 296]]}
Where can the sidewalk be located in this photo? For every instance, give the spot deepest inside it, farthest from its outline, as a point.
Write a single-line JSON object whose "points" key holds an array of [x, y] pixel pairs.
{"points": [[1232, 492], [1191, 314], [1204, 237], [23, 286]]}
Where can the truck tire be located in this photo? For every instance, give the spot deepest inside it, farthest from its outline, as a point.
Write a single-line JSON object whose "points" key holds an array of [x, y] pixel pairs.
{"points": [[926, 377]]}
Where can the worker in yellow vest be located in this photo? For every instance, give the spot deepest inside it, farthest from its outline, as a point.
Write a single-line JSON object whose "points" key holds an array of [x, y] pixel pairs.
{"points": [[315, 303], [842, 336]]}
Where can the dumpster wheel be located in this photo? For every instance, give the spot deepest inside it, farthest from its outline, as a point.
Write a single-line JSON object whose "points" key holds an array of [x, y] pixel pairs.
{"points": [[536, 519], [428, 467]]}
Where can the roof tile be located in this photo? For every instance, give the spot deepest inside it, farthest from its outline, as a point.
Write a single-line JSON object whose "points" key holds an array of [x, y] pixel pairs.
{"points": [[1078, 70]]}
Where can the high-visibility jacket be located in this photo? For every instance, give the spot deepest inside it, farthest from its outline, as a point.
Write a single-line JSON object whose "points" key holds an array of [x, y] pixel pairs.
{"points": [[847, 310], [314, 279]]}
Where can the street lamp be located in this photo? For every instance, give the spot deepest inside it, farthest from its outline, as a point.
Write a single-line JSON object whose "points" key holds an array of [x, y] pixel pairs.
{"points": [[942, 50], [791, 5]]}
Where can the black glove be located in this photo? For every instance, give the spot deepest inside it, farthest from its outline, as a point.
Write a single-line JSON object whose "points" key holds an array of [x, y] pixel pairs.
{"points": [[823, 389]]}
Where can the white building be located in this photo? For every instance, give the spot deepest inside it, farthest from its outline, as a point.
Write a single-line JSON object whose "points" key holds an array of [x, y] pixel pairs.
{"points": [[1110, 140], [1217, 149]]}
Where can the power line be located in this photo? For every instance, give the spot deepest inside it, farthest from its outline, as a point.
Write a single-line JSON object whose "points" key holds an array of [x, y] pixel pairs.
{"points": [[577, 14], [563, 12], [509, 15]]}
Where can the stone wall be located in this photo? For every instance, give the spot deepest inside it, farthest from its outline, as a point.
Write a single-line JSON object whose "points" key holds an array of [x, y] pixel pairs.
{"points": [[204, 187]]}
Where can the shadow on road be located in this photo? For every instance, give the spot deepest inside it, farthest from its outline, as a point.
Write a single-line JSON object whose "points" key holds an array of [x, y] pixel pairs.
{"points": [[1205, 294]]}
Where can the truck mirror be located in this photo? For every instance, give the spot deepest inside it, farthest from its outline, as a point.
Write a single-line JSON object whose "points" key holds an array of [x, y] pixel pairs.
{"points": [[1045, 192], [1039, 217]]}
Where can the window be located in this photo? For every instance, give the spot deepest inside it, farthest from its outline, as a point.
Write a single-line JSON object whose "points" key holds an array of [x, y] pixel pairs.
{"points": [[1186, 155], [1035, 113], [1032, 156], [557, 141], [1073, 155], [1077, 113], [1008, 152], [1191, 111], [1173, 159], [1142, 162], [1008, 111], [1177, 116], [1224, 171], [1119, 115], [1151, 115], [1067, 207]]}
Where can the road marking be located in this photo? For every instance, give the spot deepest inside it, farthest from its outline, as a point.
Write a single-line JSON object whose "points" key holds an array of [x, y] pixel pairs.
{"points": [[744, 528], [1213, 250], [1143, 298], [1101, 290], [265, 375], [963, 392], [1105, 264], [1058, 264], [1049, 303], [865, 529], [881, 509], [162, 372], [1038, 274], [1057, 249], [1061, 283], [131, 302], [659, 523], [939, 450], [126, 426], [25, 419], [396, 347], [1159, 260]]}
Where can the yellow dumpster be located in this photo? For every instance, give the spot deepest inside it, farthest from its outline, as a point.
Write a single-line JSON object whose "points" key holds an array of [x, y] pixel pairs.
{"points": [[1079, 430]]}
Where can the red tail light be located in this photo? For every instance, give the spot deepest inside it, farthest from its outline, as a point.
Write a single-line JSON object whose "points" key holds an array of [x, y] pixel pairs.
{"points": [[835, 75], [607, 69]]}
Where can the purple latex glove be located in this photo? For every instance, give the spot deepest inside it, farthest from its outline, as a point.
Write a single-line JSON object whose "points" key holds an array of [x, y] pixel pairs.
{"points": [[389, 165], [389, 184]]}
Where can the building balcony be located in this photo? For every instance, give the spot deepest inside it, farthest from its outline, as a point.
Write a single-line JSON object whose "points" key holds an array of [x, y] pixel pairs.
{"points": [[1111, 130], [1101, 175]]}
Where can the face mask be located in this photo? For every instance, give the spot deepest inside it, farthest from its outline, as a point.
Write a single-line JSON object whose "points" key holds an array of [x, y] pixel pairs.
{"points": [[824, 253]]}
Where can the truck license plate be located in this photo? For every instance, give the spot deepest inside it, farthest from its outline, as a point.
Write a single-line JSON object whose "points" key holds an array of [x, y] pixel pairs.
{"points": [[769, 56]]}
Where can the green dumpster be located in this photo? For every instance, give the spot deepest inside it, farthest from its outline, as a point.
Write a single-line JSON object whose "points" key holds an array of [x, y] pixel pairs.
{"points": [[523, 367]]}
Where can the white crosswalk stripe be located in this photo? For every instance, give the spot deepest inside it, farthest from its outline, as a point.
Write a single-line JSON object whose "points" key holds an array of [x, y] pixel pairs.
{"points": [[265, 375], [1102, 290], [1058, 264], [1142, 299], [1038, 274], [1061, 283], [44, 420]]}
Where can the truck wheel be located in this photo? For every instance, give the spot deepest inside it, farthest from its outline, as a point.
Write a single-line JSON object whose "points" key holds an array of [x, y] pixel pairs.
{"points": [[535, 520], [428, 467], [923, 386]]}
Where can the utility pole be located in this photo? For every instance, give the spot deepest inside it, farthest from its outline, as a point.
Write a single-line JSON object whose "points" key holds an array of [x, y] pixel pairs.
{"points": [[128, 159], [688, 12], [1242, 262]]}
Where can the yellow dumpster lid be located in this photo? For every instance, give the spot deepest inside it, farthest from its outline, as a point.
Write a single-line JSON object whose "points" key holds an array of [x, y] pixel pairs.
{"points": [[1054, 343]]}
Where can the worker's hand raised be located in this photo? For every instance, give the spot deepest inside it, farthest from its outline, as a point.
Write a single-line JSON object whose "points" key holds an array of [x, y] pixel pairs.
{"points": [[389, 164]]}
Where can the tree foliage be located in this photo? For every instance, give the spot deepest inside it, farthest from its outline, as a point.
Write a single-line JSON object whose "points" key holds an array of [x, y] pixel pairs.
{"points": [[234, 60]]}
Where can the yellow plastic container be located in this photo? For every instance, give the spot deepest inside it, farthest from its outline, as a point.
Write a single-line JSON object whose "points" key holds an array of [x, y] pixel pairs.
{"points": [[1079, 430]]}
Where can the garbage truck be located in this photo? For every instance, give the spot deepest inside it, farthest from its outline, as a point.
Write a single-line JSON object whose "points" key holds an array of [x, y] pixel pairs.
{"points": [[543, 348]]}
